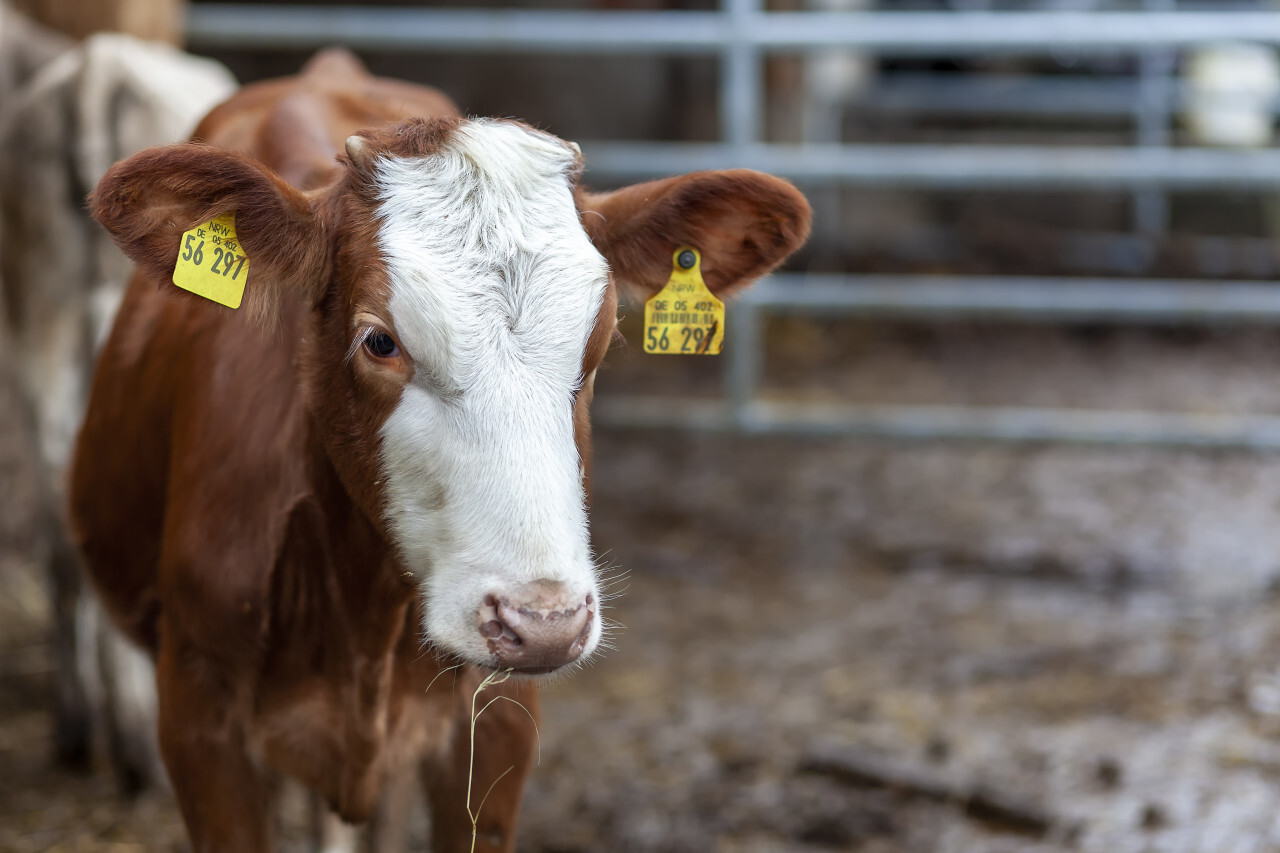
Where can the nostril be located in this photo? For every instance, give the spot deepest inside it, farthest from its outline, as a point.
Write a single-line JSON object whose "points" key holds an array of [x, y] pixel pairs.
{"points": [[496, 630]]}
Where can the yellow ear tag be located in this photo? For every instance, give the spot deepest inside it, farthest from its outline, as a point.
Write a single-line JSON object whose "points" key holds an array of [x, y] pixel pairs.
{"points": [[212, 263], [684, 317]]}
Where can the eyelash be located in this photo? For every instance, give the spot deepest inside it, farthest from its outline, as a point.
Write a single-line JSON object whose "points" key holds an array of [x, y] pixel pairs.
{"points": [[362, 339]]}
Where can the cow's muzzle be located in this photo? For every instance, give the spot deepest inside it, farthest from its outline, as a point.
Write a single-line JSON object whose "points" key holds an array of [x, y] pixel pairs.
{"points": [[536, 627]]}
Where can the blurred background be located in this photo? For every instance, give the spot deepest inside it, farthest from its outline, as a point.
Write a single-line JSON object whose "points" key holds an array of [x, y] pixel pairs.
{"points": [[968, 542]]}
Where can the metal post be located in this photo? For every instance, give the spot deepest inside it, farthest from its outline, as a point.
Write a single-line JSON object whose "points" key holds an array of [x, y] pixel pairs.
{"points": [[741, 93], [745, 357], [741, 86], [1154, 113]]}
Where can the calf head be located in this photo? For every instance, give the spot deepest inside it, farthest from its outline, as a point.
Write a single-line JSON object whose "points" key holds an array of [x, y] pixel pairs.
{"points": [[461, 290]]}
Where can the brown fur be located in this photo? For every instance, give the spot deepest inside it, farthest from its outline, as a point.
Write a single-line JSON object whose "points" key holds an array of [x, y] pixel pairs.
{"points": [[225, 490]]}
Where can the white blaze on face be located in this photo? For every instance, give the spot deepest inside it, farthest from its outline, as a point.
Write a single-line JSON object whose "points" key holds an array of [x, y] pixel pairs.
{"points": [[495, 289]]}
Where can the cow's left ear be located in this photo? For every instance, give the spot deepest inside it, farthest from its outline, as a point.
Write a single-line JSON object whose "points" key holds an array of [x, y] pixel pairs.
{"points": [[149, 200], [744, 223]]}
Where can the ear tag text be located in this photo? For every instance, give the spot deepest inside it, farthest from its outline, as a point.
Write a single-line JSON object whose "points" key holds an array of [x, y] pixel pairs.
{"points": [[684, 318], [212, 263]]}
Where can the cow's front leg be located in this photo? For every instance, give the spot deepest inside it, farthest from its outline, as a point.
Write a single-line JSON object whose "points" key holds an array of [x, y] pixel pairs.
{"points": [[505, 744], [225, 800]]}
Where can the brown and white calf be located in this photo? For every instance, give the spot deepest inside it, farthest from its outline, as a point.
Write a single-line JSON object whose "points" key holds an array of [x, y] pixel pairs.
{"points": [[310, 508]]}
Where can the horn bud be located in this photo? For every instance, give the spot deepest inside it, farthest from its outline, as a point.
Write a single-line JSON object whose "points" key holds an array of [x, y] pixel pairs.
{"points": [[358, 151]]}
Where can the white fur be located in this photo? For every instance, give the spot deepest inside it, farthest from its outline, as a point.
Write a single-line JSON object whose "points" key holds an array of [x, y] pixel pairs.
{"points": [[119, 681], [495, 291], [337, 836]]}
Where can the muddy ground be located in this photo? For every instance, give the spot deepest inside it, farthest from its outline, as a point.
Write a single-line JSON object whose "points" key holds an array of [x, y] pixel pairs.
{"points": [[792, 677]]}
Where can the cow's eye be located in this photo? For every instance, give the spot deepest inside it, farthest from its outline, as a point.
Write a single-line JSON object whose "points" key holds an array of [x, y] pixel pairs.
{"points": [[382, 345]]}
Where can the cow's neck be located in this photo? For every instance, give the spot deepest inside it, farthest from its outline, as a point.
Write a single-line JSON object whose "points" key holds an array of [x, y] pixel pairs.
{"points": [[364, 585], [341, 609]]}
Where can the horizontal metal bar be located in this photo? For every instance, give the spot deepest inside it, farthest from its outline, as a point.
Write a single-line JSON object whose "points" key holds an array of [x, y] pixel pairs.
{"points": [[1023, 299], [1009, 425], [968, 33], [494, 30], [987, 95], [899, 33], [957, 166]]}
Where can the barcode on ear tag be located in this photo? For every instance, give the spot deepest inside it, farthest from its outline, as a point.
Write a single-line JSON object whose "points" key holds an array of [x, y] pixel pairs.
{"points": [[684, 318], [211, 261]]}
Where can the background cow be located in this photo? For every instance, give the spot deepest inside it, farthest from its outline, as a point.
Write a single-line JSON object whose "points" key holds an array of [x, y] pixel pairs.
{"points": [[393, 445], [62, 278]]}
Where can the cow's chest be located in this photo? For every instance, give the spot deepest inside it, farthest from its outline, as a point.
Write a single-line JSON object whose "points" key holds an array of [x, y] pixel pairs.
{"points": [[342, 720]]}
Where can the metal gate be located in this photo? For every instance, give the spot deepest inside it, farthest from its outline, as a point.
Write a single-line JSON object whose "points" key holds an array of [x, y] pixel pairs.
{"points": [[741, 34]]}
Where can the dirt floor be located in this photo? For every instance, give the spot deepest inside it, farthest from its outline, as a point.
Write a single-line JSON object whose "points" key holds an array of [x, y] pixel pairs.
{"points": [[778, 687]]}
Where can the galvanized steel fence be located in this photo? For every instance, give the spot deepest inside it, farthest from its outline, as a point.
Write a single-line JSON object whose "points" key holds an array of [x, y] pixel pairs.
{"points": [[741, 34]]}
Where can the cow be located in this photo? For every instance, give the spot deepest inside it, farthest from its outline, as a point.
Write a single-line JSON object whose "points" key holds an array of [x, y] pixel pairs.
{"points": [[335, 513], [61, 277]]}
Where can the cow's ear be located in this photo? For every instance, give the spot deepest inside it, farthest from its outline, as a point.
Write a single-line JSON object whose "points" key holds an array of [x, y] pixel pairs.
{"points": [[744, 223], [149, 200]]}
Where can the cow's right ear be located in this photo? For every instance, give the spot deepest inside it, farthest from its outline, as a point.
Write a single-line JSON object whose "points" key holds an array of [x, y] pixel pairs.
{"points": [[149, 200]]}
